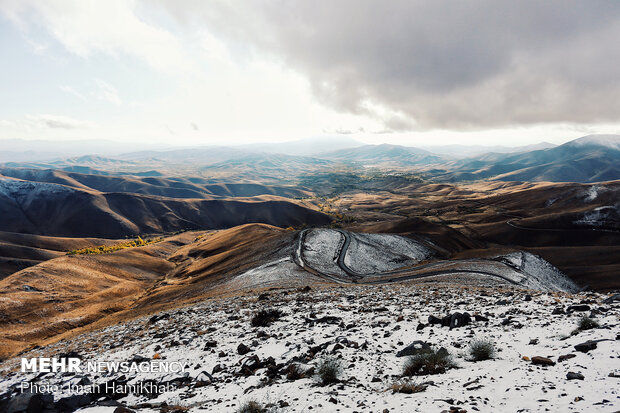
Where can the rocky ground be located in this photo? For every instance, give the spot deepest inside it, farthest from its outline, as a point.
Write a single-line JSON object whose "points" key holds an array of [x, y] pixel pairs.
{"points": [[343, 349]]}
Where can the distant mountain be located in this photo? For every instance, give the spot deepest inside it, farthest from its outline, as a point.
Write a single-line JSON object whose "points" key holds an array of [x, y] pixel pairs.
{"points": [[383, 155], [461, 151], [591, 158], [310, 146]]}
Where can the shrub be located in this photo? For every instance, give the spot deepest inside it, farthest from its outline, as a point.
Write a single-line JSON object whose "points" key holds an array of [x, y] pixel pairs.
{"points": [[430, 362], [586, 323], [328, 371], [106, 249], [294, 372], [251, 407], [265, 317], [408, 387], [481, 349]]}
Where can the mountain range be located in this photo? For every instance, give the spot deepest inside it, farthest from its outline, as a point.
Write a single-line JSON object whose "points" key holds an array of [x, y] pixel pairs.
{"points": [[591, 158]]}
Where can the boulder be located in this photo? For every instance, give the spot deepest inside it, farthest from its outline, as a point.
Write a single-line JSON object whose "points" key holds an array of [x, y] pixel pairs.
{"points": [[414, 348], [542, 361], [29, 403], [574, 376], [586, 346], [243, 349]]}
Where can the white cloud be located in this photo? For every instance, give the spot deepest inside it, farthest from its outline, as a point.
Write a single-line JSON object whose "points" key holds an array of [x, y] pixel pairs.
{"points": [[111, 27], [56, 122], [71, 91], [107, 92]]}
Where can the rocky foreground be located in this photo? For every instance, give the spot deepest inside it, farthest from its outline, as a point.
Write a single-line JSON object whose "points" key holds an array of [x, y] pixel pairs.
{"points": [[399, 348]]}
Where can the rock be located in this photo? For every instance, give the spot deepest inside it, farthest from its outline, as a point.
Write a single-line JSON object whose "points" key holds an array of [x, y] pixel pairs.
{"points": [[139, 359], [612, 299], [578, 307], [574, 376], [217, 368], [452, 320], [479, 317], [123, 409], [420, 327], [501, 302], [210, 344], [414, 348], [243, 349], [459, 320], [542, 361], [533, 341], [527, 297], [566, 357], [586, 346], [29, 403], [433, 320], [72, 403], [333, 400], [204, 377], [558, 311]]}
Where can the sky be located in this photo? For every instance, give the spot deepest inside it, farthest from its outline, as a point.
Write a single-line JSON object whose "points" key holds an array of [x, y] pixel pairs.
{"points": [[191, 72]]}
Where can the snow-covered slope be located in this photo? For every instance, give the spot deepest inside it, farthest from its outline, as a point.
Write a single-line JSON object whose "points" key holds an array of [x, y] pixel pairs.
{"points": [[228, 362]]}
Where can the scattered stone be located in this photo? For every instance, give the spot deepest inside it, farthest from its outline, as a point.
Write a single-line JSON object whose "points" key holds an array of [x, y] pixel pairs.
{"points": [[566, 357], [243, 349], [578, 307], [414, 348], [123, 409], [586, 346], [542, 361], [574, 376], [612, 299]]}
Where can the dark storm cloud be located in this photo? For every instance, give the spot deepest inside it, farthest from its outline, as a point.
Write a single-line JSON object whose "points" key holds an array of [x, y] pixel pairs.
{"points": [[454, 64]]}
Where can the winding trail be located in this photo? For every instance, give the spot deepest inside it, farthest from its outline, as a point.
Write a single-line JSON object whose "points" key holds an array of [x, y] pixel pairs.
{"points": [[398, 275]]}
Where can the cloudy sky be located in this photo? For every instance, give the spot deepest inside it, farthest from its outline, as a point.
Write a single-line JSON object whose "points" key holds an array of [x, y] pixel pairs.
{"points": [[211, 72]]}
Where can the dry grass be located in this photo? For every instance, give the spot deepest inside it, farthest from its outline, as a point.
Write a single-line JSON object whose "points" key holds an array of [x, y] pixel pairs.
{"points": [[408, 386], [328, 371]]}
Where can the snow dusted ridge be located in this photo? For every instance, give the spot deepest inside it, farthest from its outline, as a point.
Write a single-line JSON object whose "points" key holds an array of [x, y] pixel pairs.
{"points": [[372, 253], [384, 258], [230, 362], [541, 275], [605, 216], [25, 191]]}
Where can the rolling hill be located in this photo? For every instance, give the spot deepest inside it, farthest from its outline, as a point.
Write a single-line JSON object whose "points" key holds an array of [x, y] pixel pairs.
{"points": [[60, 210]]}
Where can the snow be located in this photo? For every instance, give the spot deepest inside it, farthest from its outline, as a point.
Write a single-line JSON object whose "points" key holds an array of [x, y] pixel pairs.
{"points": [[604, 216], [540, 274], [372, 253], [23, 192], [379, 258], [320, 250], [609, 141], [592, 193], [506, 383]]}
